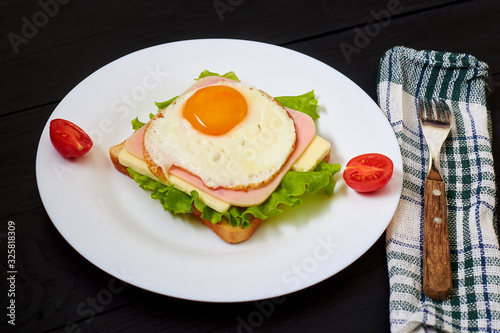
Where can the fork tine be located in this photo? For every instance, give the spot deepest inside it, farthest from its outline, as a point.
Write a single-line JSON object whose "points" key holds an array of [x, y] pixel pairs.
{"points": [[446, 109], [437, 106]]}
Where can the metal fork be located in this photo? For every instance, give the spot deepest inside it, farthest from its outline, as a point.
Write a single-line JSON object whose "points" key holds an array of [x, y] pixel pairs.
{"points": [[435, 118]]}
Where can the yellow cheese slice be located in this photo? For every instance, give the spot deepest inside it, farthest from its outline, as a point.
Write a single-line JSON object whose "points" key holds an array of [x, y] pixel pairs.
{"points": [[314, 153], [138, 165]]}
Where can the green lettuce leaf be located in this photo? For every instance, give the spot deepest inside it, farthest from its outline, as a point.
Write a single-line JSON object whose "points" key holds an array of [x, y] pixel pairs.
{"points": [[229, 75], [292, 187], [162, 105], [137, 124], [306, 103]]}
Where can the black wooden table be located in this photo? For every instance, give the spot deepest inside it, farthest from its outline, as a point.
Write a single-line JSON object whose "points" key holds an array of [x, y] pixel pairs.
{"points": [[49, 46]]}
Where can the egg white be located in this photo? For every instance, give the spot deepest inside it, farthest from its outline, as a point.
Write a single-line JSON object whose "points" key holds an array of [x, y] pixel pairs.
{"points": [[248, 156]]}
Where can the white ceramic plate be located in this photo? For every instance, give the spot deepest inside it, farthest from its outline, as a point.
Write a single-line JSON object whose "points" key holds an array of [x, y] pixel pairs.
{"points": [[110, 221]]}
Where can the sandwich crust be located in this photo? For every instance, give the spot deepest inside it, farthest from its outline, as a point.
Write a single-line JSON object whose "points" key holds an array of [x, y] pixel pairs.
{"points": [[113, 155], [228, 233]]}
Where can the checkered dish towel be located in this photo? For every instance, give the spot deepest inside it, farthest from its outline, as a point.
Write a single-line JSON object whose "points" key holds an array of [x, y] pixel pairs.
{"points": [[467, 166]]}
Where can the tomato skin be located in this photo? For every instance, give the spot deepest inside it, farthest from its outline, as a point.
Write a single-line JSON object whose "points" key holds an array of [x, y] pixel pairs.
{"points": [[368, 172], [69, 139]]}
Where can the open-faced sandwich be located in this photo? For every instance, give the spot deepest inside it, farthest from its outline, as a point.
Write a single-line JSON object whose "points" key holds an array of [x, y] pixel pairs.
{"points": [[229, 154]]}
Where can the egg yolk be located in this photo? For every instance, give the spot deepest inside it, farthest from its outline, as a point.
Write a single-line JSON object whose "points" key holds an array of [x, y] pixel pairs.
{"points": [[215, 110]]}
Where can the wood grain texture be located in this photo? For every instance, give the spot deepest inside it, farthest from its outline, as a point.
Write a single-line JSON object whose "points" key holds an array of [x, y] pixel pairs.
{"points": [[82, 37], [19, 146], [57, 284], [439, 28], [437, 269]]}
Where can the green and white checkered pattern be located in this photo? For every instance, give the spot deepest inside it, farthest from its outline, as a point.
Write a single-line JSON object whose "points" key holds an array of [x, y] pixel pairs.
{"points": [[467, 165]]}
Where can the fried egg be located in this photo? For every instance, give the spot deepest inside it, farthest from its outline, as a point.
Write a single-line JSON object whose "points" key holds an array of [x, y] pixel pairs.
{"points": [[228, 134]]}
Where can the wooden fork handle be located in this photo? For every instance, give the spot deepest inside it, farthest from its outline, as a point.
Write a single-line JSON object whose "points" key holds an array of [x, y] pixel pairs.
{"points": [[437, 269]]}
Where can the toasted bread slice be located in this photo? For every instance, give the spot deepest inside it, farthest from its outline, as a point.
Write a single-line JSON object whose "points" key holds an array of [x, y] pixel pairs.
{"points": [[113, 154], [228, 233], [223, 229]]}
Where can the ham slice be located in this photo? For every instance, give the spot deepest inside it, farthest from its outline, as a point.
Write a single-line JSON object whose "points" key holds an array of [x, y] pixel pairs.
{"points": [[206, 81], [134, 143], [305, 130]]}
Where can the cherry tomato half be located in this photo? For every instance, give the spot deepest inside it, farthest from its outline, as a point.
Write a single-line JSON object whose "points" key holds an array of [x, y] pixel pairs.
{"points": [[368, 172], [68, 139]]}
